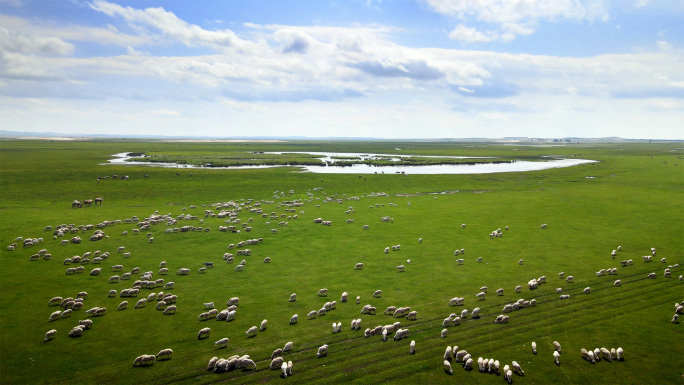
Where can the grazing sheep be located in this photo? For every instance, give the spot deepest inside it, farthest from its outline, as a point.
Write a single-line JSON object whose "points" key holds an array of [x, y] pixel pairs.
{"points": [[444, 332], [76, 331], [468, 365], [123, 305], [293, 297], [475, 313], [517, 368], [170, 310], [570, 279], [322, 351], [597, 354], [652, 276], [312, 314], [323, 292], [50, 335], [164, 354], [587, 290], [412, 347], [293, 319], [377, 294], [534, 347], [588, 355], [145, 360], [251, 332], [447, 367], [287, 347], [263, 325], [557, 346], [203, 333], [400, 268], [518, 289], [448, 354], [86, 323], [605, 353], [675, 318], [358, 299], [481, 295], [620, 354], [358, 266], [412, 316], [565, 296], [222, 343]]}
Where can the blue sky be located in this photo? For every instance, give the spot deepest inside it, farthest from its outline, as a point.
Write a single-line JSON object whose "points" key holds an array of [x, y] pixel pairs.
{"points": [[352, 68]]}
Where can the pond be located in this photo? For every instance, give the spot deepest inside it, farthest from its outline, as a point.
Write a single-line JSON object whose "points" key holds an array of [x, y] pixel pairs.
{"points": [[326, 168]]}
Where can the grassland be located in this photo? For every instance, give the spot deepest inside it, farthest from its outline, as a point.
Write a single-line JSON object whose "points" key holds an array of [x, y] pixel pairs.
{"points": [[635, 199]]}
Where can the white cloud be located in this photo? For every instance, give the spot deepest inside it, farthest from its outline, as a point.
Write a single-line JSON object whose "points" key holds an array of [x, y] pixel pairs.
{"points": [[663, 45], [641, 3], [172, 27], [28, 43], [518, 17], [469, 35]]}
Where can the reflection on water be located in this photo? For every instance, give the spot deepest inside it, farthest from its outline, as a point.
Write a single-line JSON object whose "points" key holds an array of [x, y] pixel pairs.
{"points": [[482, 168]]}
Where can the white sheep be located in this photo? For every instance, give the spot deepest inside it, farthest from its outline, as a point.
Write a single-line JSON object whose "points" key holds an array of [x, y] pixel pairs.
{"points": [[50, 335], [468, 365], [251, 332], [287, 347], [447, 367], [444, 332], [263, 325], [620, 354], [517, 368], [400, 268], [293, 319], [570, 279], [222, 343], [377, 294], [587, 290], [322, 351], [203, 333], [164, 354], [557, 346], [412, 347], [556, 357], [323, 292]]}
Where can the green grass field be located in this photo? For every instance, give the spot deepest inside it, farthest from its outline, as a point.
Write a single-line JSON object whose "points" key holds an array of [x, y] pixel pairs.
{"points": [[635, 199]]}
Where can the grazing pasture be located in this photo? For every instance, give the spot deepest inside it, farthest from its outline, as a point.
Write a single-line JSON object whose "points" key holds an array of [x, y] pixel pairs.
{"points": [[632, 197]]}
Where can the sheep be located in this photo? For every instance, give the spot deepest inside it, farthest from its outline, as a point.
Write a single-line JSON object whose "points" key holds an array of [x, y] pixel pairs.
{"points": [[344, 297], [468, 365], [377, 294], [141, 303], [588, 355], [557, 346], [164, 354], [50, 335], [620, 354], [613, 353], [293, 319], [312, 314], [55, 316], [605, 354], [570, 279], [475, 313], [400, 334], [145, 360], [587, 290], [412, 316], [233, 301], [412, 347], [499, 291], [517, 368], [400, 268], [123, 305], [460, 261], [652, 275], [169, 285], [293, 297], [323, 292], [597, 354], [251, 332], [447, 367], [161, 305], [464, 313], [170, 310], [222, 343], [322, 351], [287, 347], [358, 266], [565, 296], [518, 289], [448, 354], [76, 331], [203, 333], [481, 295], [358, 299], [263, 325]]}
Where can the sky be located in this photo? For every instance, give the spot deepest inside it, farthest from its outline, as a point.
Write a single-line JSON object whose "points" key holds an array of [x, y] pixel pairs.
{"points": [[344, 68]]}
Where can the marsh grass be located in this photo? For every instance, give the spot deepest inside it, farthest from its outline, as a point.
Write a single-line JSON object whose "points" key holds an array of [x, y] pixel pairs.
{"points": [[634, 200]]}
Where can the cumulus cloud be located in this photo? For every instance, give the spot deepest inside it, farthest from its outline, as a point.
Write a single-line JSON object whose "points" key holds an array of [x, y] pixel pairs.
{"points": [[171, 26], [469, 35], [40, 45], [514, 17]]}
